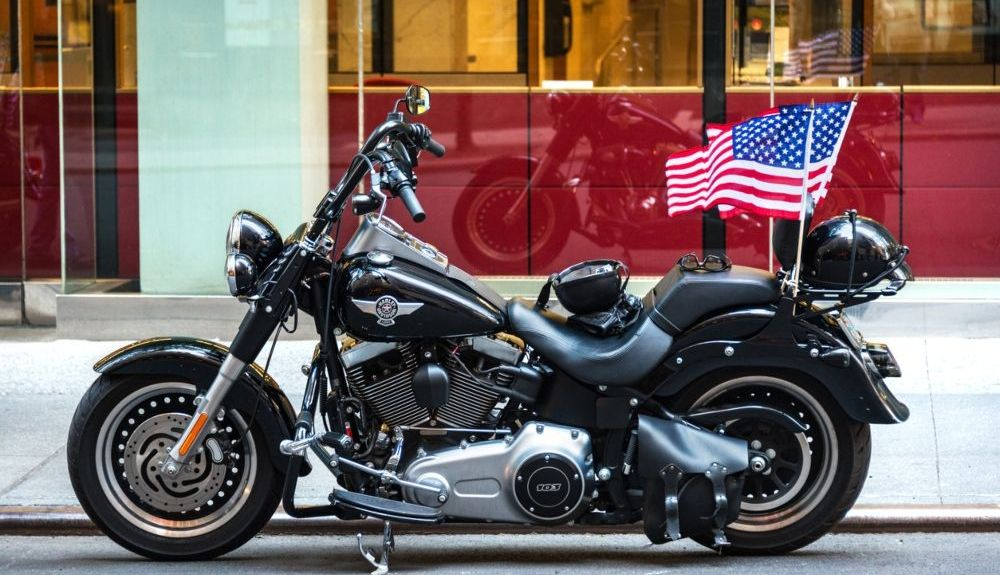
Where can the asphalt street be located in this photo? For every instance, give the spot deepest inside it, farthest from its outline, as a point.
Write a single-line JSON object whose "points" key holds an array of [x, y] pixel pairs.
{"points": [[910, 554]]}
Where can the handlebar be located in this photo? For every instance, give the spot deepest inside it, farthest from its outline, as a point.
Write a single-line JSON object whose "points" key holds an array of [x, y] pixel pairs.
{"points": [[404, 191], [434, 147], [421, 135], [394, 126]]}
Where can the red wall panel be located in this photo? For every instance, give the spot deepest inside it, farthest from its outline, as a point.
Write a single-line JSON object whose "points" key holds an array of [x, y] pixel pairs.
{"points": [[127, 128], [78, 169], [10, 186], [951, 197], [41, 184], [487, 138], [603, 188]]}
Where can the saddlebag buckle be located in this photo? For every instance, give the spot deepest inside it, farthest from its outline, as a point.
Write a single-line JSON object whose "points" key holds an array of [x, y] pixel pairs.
{"points": [[671, 486]]}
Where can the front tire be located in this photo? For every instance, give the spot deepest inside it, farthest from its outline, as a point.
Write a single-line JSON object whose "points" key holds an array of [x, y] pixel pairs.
{"points": [[119, 434], [815, 477]]}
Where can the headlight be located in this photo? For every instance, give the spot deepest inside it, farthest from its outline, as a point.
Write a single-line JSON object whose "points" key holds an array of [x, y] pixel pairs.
{"points": [[241, 274], [252, 243]]}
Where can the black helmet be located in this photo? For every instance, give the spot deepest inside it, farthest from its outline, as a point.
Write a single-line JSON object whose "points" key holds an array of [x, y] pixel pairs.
{"points": [[826, 253]]}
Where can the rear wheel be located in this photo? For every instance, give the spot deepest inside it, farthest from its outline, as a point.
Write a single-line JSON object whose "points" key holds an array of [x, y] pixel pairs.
{"points": [[122, 430], [812, 478]]}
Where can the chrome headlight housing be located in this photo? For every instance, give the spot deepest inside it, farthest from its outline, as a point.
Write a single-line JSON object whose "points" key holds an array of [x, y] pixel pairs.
{"points": [[252, 243]]}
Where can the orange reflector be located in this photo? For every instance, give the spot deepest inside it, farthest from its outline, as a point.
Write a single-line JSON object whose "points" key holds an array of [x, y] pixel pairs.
{"points": [[195, 431]]}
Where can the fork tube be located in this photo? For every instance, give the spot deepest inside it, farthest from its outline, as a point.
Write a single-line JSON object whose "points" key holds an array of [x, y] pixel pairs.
{"points": [[230, 371]]}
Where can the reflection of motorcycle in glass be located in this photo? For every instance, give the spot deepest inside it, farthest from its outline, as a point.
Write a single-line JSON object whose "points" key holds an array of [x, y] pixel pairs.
{"points": [[612, 144], [612, 147]]}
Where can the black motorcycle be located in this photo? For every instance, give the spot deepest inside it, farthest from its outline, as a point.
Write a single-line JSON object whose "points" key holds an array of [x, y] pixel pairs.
{"points": [[728, 405]]}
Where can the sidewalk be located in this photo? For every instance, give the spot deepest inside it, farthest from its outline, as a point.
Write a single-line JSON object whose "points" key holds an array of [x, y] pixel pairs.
{"points": [[943, 457]]}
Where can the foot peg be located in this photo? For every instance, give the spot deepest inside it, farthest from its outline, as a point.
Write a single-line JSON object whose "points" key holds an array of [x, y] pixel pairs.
{"points": [[381, 564]]}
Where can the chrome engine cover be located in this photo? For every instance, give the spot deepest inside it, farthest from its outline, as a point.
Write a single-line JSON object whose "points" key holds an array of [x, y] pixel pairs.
{"points": [[542, 474], [382, 373]]}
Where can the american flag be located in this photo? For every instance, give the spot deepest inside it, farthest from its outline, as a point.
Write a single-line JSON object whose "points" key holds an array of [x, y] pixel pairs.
{"points": [[831, 54], [758, 165]]}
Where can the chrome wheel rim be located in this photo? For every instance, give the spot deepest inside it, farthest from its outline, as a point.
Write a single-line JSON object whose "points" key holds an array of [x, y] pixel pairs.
{"points": [[817, 452], [211, 488]]}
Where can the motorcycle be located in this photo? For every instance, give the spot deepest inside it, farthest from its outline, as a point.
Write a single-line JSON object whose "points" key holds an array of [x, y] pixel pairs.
{"points": [[732, 407]]}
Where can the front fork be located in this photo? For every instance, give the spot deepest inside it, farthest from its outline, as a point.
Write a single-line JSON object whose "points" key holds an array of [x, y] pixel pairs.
{"points": [[258, 324], [267, 310], [209, 406]]}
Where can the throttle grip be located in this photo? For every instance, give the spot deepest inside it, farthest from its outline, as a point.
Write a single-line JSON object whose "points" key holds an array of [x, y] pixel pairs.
{"points": [[404, 191], [421, 134], [434, 147]]}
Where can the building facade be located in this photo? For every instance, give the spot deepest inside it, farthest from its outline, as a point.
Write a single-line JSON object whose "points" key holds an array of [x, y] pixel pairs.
{"points": [[132, 129]]}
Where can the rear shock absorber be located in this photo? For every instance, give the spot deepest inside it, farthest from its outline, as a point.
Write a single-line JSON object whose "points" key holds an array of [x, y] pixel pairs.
{"points": [[633, 444]]}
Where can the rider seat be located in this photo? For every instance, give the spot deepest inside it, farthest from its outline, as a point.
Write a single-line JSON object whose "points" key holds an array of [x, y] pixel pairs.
{"points": [[622, 359]]}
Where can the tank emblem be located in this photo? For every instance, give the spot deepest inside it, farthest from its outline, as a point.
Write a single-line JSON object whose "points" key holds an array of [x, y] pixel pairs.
{"points": [[386, 308]]}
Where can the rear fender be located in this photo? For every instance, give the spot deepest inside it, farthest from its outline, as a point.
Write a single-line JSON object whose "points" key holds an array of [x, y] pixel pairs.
{"points": [[197, 361], [814, 348]]}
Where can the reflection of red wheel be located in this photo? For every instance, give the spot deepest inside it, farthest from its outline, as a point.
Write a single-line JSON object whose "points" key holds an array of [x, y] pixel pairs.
{"points": [[495, 238]]}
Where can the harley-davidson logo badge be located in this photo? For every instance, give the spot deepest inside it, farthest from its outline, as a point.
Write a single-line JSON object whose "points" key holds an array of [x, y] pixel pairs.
{"points": [[386, 309]]}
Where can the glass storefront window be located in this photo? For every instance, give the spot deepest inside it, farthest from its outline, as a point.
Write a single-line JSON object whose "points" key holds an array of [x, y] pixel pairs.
{"points": [[519, 42], [548, 107], [621, 42], [870, 43], [406, 41], [342, 31], [934, 42], [125, 40]]}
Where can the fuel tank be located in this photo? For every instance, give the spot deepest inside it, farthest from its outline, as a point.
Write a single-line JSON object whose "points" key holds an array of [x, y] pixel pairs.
{"points": [[387, 298]]}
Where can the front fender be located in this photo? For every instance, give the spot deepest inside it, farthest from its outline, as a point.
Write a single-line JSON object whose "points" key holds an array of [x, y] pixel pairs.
{"points": [[197, 361], [844, 371]]}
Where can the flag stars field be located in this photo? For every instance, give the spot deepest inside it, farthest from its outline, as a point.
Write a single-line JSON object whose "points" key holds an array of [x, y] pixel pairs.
{"points": [[759, 165]]}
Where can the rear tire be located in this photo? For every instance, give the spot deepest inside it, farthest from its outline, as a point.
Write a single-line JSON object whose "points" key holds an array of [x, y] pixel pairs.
{"points": [[120, 431], [822, 470]]}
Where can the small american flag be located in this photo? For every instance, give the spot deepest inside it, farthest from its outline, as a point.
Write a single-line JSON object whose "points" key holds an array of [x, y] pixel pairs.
{"points": [[758, 165], [831, 54]]}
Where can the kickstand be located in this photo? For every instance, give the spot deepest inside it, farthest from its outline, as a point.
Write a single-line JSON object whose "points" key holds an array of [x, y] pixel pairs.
{"points": [[381, 564]]}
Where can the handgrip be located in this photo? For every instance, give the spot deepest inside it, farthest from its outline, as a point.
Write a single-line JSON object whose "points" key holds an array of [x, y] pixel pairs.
{"points": [[434, 147], [405, 192]]}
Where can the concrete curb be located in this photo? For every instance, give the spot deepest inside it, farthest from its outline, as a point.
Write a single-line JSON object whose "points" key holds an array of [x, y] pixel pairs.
{"points": [[71, 520]]}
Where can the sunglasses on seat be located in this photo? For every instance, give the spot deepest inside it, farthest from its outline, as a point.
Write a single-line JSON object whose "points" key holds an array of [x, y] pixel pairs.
{"points": [[711, 263]]}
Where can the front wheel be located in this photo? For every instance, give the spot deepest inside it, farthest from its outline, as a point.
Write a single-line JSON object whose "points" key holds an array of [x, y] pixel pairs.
{"points": [[121, 432], [812, 479]]}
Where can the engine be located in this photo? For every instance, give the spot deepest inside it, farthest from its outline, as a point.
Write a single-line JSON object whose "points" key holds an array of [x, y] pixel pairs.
{"points": [[542, 474], [383, 374]]}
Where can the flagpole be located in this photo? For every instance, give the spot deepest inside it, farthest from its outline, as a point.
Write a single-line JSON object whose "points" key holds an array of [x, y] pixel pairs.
{"points": [[770, 73], [805, 198]]}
